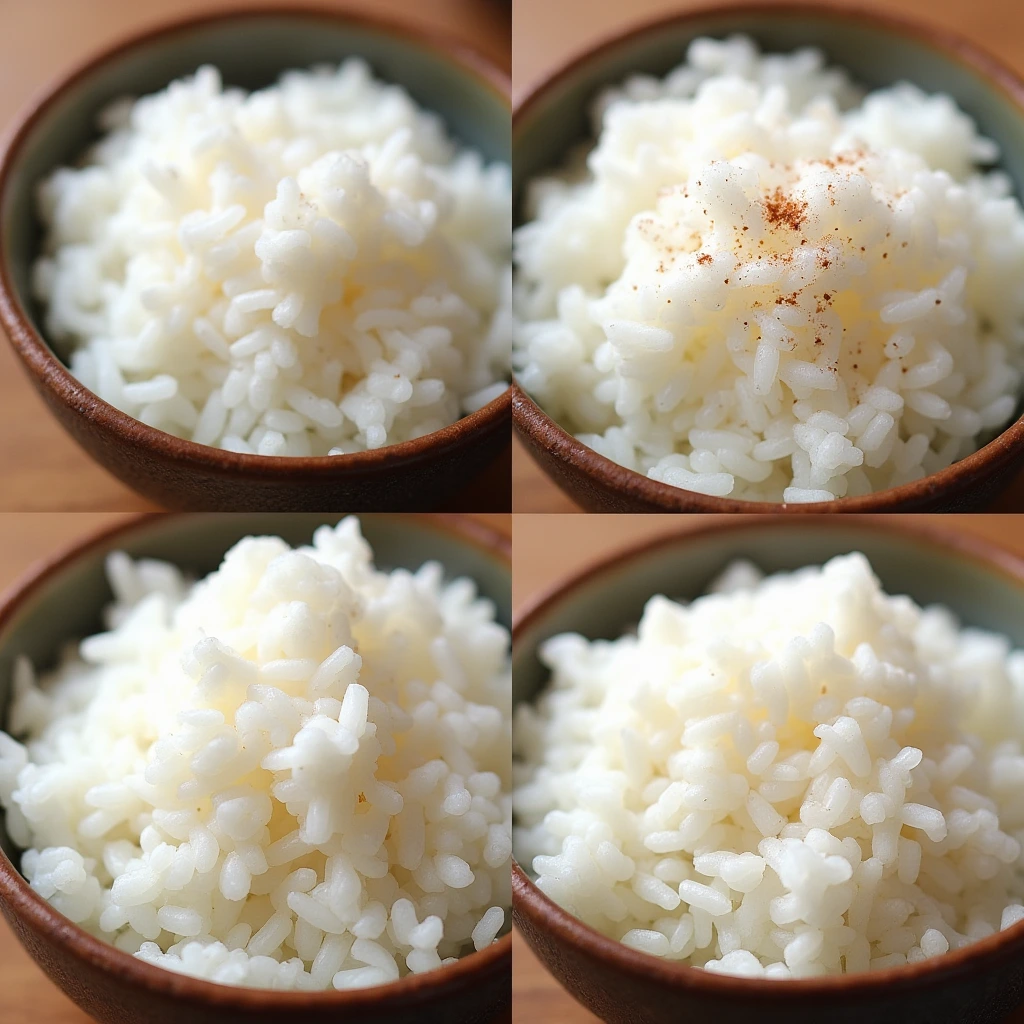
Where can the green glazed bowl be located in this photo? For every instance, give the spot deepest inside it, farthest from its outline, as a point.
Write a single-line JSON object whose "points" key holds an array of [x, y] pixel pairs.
{"points": [[62, 600], [933, 563], [252, 47], [878, 49]]}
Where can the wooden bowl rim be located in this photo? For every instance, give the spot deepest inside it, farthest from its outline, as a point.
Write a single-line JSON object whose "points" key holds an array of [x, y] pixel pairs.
{"points": [[40, 917], [548, 917], [536, 425], [53, 376]]}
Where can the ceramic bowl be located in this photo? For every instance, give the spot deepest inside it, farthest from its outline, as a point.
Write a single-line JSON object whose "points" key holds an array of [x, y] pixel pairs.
{"points": [[878, 49], [933, 562], [62, 599], [252, 48]]}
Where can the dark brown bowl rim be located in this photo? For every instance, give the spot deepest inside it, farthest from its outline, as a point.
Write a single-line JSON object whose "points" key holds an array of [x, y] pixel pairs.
{"points": [[531, 420], [54, 376], [548, 916], [38, 915]]}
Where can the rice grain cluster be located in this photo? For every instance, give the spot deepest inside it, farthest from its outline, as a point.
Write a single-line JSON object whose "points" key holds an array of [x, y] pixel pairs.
{"points": [[762, 283], [310, 269], [292, 774], [795, 777]]}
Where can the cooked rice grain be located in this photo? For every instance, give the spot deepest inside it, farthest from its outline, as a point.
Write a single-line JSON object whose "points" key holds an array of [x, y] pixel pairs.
{"points": [[761, 284], [311, 269], [794, 777], [292, 774]]}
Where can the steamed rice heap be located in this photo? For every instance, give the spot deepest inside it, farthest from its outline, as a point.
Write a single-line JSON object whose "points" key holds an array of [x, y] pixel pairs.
{"points": [[291, 774], [796, 777], [764, 284], [310, 269]]}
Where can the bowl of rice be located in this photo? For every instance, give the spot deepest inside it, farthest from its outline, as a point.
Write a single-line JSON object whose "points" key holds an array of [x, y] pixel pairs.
{"points": [[261, 260], [765, 768], [769, 256], [257, 767]]}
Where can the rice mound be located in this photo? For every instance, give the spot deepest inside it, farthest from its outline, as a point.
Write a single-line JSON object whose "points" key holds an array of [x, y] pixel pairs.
{"points": [[310, 269], [761, 283], [292, 774], [797, 776]]}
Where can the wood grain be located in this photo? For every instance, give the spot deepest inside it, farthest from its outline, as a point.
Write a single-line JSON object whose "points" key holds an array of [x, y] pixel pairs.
{"points": [[546, 32], [549, 547], [43, 469], [27, 996]]}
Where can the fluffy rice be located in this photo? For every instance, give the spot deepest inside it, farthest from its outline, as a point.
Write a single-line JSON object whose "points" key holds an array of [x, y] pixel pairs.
{"points": [[798, 776], [292, 774], [311, 269], [762, 283]]}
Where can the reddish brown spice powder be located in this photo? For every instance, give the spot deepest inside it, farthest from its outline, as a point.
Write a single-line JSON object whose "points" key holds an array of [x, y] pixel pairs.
{"points": [[781, 210]]}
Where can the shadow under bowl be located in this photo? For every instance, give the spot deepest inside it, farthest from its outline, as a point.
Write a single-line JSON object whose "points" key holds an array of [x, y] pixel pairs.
{"points": [[878, 49], [61, 600], [251, 49], [933, 563]]}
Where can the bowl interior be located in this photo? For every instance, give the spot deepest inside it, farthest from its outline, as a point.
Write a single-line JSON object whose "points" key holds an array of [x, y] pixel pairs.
{"points": [[251, 50], [612, 599], [875, 53], [67, 604]]}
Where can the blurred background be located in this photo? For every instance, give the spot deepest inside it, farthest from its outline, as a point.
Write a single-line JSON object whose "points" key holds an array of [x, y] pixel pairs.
{"points": [[548, 549], [548, 33], [41, 40]]}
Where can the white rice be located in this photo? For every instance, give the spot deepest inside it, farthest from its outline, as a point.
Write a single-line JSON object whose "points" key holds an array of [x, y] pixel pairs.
{"points": [[311, 269], [293, 774], [761, 283], [795, 777]]}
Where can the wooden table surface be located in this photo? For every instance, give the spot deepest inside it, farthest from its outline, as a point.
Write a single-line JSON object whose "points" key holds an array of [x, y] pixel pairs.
{"points": [[546, 32], [40, 466], [546, 549], [27, 996]]}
